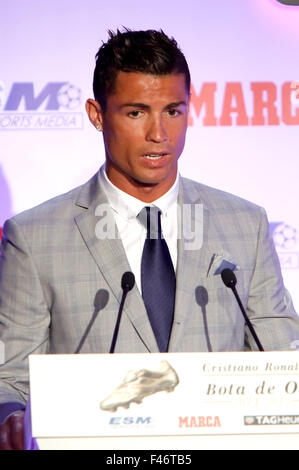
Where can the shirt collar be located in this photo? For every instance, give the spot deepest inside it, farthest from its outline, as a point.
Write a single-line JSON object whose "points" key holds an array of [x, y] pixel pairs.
{"points": [[128, 206]]}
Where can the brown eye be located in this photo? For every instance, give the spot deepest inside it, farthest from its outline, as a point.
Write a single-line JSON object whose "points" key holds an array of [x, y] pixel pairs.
{"points": [[134, 114], [173, 112]]}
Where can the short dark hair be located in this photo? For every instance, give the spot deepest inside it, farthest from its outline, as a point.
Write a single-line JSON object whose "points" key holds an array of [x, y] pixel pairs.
{"points": [[151, 52]]}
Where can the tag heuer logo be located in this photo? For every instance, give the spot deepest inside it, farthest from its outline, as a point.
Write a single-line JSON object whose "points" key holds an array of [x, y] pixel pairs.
{"points": [[271, 420]]}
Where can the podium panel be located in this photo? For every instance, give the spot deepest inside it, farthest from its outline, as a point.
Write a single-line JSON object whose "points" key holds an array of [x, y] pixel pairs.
{"points": [[246, 400], [179, 443]]}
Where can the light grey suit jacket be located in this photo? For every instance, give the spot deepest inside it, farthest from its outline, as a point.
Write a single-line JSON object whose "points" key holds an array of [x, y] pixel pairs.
{"points": [[52, 266]]}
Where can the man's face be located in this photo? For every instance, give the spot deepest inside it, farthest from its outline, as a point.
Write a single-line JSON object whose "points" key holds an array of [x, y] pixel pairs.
{"points": [[144, 127]]}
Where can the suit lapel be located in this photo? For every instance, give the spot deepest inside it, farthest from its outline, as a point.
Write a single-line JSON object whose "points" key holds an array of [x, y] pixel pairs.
{"points": [[194, 259], [109, 255]]}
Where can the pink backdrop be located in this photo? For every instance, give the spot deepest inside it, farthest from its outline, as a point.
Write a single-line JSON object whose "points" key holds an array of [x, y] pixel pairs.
{"points": [[243, 133]]}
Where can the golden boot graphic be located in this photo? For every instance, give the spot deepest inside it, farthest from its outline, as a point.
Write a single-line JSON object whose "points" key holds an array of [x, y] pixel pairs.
{"points": [[139, 384]]}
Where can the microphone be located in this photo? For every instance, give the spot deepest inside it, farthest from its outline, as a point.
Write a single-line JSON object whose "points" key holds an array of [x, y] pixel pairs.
{"points": [[100, 302], [230, 280], [127, 284]]}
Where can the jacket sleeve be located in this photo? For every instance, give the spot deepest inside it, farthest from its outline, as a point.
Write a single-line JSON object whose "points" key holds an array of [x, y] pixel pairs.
{"points": [[24, 316], [270, 306]]}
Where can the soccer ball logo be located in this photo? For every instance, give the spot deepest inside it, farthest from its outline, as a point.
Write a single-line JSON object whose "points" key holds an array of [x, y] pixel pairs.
{"points": [[69, 96], [285, 236]]}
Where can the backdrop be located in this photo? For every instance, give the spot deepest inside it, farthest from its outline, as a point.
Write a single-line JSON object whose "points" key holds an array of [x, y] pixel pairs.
{"points": [[243, 129]]}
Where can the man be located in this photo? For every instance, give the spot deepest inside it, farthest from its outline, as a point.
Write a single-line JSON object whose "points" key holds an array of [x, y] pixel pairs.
{"points": [[56, 257]]}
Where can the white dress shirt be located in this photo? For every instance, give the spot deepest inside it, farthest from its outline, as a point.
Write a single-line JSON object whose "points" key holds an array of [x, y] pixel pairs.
{"points": [[131, 231]]}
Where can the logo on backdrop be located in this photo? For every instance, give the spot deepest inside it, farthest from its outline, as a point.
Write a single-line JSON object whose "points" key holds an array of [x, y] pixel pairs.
{"points": [[286, 241], [55, 105], [237, 104]]}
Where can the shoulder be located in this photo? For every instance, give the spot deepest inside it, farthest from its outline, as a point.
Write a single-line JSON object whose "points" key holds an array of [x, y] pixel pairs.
{"points": [[52, 220], [59, 207], [217, 199]]}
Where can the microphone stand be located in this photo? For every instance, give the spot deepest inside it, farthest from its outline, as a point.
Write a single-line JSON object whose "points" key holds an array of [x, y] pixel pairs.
{"points": [[230, 280], [127, 284], [248, 322]]}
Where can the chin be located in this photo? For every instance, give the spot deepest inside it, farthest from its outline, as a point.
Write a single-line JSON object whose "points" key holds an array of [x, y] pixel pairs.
{"points": [[153, 180]]}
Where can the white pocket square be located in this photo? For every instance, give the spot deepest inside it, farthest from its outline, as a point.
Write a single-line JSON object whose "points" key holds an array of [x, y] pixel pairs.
{"points": [[222, 261]]}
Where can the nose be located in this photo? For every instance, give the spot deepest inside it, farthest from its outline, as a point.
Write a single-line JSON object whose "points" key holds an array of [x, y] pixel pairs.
{"points": [[156, 131]]}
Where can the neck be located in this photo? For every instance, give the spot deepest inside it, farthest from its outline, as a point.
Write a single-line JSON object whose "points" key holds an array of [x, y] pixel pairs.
{"points": [[145, 192]]}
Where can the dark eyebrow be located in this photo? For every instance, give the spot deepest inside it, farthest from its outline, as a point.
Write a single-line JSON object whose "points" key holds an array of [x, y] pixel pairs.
{"points": [[146, 106], [176, 104], [135, 105]]}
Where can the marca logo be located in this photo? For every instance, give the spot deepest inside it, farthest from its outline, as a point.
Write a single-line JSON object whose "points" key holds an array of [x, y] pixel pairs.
{"points": [[49, 107], [286, 241], [199, 421], [229, 104], [129, 420]]}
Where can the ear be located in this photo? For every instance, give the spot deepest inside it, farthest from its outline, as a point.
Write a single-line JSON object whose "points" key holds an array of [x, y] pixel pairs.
{"points": [[94, 112], [189, 101]]}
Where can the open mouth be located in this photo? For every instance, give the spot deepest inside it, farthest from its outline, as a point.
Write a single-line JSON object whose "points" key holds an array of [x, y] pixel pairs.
{"points": [[154, 156]]}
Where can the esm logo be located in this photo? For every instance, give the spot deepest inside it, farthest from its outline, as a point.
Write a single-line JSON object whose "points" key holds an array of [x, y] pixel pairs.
{"points": [[51, 107]]}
